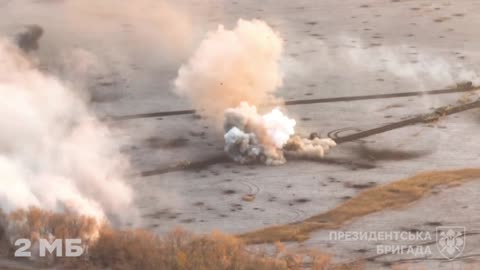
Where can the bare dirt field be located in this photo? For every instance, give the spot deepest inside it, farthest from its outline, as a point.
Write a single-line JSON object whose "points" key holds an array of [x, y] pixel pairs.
{"points": [[332, 49]]}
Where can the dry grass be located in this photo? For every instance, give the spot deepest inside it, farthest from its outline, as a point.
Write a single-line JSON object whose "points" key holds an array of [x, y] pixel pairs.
{"points": [[179, 250], [393, 195], [141, 249], [4, 246], [34, 223]]}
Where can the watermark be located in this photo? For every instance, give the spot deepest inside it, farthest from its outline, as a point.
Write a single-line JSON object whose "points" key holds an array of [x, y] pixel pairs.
{"points": [[450, 241], [61, 248], [379, 236]]}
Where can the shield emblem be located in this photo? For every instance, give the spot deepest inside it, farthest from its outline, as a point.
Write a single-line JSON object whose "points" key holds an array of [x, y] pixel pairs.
{"points": [[451, 241]]}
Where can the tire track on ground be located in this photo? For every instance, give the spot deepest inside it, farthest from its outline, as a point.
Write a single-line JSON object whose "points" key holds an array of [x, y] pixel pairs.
{"points": [[461, 88]]}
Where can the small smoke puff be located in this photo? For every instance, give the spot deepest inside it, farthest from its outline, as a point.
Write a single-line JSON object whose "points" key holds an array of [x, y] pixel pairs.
{"points": [[303, 148], [232, 66], [28, 39]]}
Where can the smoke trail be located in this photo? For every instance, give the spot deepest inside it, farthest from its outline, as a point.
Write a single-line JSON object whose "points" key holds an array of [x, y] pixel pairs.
{"points": [[54, 153], [421, 67]]}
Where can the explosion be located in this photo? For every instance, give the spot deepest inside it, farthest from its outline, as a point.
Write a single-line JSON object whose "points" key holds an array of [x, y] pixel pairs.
{"points": [[230, 67], [251, 137], [234, 72]]}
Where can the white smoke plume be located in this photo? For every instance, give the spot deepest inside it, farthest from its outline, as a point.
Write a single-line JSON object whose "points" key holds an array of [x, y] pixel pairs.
{"points": [[232, 66], [54, 154], [233, 73]]}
